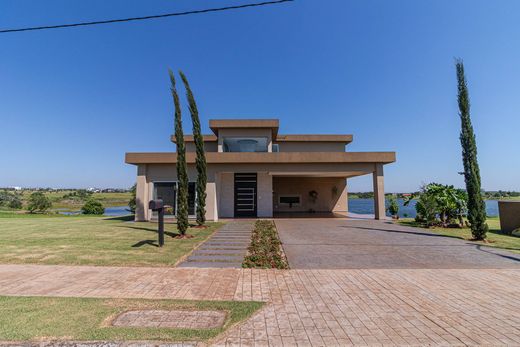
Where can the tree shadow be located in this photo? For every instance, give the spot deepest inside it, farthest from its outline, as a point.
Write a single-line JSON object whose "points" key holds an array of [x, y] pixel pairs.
{"points": [[145, 242], [169, 233], [488, 250]]}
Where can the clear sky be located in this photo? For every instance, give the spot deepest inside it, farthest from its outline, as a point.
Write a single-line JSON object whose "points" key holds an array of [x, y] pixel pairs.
{"points": [[73, 101]]}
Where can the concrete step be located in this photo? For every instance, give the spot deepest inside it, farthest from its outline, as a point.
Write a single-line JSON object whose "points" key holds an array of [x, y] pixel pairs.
{"points": [[215, 258], [241, 252], [211, 264]]}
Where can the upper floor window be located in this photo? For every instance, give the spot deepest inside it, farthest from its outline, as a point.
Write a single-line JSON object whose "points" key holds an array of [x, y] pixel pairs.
{"points": [[245, 144]]}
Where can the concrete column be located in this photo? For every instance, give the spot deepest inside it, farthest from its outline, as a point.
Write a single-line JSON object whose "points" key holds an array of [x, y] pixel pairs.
{"points": [[264, 195], [341, 204], [211, 201], [379, 191], [141, 194]]}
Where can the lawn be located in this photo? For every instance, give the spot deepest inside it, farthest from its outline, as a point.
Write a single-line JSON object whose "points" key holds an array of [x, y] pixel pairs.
{"points": [[44, 318], [85, 240], [495, 238]]}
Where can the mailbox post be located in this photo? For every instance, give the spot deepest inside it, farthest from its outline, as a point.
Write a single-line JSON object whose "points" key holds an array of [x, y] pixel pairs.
{"points": [[158, 205]]}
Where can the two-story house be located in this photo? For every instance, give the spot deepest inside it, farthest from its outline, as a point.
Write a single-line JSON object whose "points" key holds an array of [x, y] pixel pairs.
{"points": [[255, 172]]}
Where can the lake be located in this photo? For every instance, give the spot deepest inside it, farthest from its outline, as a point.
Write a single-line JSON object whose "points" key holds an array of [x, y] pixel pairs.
{"points": [[366, 206], [114, 211]]}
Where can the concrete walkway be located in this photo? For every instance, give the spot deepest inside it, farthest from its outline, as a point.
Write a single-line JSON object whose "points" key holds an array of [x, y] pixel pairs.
{"points": [[225, 249], [314, 307], [371, 244]]}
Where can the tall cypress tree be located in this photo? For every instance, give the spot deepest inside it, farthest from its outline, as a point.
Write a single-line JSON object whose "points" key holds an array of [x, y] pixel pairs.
{"points": [[182, 170], [476, 205], [200, 161]]}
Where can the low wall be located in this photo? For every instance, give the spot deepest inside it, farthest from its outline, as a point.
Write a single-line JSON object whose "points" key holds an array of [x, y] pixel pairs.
{"points": [[509, 215]]}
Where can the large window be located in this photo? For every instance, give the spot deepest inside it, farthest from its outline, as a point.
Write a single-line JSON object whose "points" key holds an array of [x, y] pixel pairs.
{"points": [[289, 200], [167, 191], [245, 144]]}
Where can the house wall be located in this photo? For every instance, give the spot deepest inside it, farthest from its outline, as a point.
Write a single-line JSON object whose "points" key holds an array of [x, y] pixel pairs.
{"points": [[209, 146], [311, 146], [331, 191], [220, 186]]}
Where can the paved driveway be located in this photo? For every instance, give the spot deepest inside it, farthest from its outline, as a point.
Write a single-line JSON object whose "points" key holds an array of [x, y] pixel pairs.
{"points": [[369, 244]]}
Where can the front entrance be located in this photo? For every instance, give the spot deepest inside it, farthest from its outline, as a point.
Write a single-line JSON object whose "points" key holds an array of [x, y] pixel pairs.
{"points": [[245, 194]]}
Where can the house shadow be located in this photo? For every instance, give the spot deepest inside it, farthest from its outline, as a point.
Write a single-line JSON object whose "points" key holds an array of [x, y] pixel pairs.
{"points": [[405, 232], [488, 250]]}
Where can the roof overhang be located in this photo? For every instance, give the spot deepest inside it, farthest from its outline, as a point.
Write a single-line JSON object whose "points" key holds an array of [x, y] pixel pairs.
{"points": [[190, 138], [273, 124], [266, 157]]}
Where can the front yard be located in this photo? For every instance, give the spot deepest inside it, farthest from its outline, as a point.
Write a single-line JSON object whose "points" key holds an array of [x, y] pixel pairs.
{"points": [[46, 318], [495, 238], [84, 240]]}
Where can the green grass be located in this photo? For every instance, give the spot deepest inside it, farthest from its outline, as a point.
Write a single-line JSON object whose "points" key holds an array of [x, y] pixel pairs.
{"points": [[86, 240], [495, 238], [44, 318]]}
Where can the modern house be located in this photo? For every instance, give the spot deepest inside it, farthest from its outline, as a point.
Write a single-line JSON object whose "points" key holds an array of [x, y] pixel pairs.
{"points": [[253, 171]]}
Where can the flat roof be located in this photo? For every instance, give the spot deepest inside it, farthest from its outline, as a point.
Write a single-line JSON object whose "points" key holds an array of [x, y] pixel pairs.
{"points": [[265, 157], [215, 124], [315, 138]]}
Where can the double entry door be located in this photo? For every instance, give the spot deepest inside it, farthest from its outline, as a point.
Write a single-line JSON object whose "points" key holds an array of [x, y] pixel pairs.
{"points": [[245, 194]]}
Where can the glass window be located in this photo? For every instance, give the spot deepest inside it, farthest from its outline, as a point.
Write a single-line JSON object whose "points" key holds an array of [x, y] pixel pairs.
{"points": [[245, 144], [167, 191]]}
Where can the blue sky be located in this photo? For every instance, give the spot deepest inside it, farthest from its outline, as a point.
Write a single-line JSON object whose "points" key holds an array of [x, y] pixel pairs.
{"points": [[73, 101]]}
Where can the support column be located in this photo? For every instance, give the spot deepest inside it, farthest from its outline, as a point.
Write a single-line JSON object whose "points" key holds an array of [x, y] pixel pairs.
{"points": [[379, 191], [141, 195]]}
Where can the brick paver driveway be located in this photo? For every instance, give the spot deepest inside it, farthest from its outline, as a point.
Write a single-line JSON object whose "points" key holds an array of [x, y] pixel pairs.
{"points": [[370, 244], [416, 307]]}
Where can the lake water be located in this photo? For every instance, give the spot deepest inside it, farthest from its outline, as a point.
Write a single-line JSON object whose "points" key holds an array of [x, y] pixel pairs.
{"points": [[109, 211], [366, 206]]}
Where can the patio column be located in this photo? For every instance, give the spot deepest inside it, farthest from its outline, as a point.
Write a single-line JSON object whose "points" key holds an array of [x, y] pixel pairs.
{"points": [[141, 195], [379, 191]]}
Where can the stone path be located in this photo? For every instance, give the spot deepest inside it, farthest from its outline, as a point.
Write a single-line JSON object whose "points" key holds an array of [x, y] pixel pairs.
{"points": [[225, 249], [314, 307]]}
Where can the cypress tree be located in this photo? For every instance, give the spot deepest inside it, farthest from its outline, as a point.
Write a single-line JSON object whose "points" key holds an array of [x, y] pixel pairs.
{"points": [[182, 170], [476, 205], [200, 161]]}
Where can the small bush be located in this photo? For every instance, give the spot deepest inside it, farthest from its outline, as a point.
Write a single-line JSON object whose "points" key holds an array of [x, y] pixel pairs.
{"points": [[265, 250], [38, 202], [93, 207]]}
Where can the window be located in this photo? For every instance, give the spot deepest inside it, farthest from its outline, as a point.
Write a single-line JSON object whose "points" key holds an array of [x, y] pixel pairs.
{"points": [[276, 147], [167, 191], [245, 144], [291, 200]]}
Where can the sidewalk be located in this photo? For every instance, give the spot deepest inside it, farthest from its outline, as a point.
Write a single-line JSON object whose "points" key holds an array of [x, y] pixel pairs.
{"points": [[313, 307]]}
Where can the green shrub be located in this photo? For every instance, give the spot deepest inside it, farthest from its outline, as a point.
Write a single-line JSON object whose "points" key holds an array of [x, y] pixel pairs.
{"points": [[393, 206], [15, 202], [38, 202], [265, 250], [93, 207]]}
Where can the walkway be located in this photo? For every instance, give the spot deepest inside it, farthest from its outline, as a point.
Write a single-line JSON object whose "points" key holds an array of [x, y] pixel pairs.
{"points": [[225, 249], [314, 307], [371, 244]]}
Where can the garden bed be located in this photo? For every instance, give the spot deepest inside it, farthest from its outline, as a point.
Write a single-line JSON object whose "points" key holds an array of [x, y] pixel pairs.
{"points": [[265, 250]]}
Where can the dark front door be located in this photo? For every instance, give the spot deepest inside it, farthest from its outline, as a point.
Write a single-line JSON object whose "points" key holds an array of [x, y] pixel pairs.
{"points": [[245, 195]]}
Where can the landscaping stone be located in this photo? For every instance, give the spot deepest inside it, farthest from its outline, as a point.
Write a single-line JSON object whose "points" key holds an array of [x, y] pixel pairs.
{"points": [[179, 319], [225, 249]]}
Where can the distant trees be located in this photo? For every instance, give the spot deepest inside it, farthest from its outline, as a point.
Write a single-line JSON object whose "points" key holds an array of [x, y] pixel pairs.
{"points": [[182, 170], [200, 161], [132, 203], [93, 207], [476, 205], [38, 202], [10, 199]]}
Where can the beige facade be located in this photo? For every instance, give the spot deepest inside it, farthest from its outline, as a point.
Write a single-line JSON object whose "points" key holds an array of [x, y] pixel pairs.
{"points": [[308, 173]]}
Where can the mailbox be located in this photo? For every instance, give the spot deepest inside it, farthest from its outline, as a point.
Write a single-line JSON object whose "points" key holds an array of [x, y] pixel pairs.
{"points": [[158, 205], [155, 205]]}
